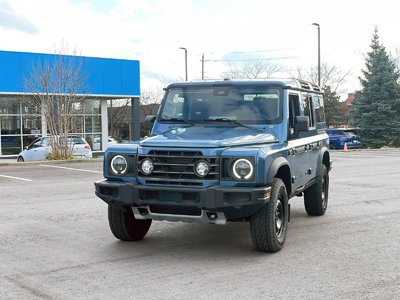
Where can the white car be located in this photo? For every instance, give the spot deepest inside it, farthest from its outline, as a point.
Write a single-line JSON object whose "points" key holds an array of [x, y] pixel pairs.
{"points": [[97, 142], [40, 148]]}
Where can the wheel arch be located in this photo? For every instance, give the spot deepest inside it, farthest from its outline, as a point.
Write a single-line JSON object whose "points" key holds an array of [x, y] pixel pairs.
{"points": [[325, 158], [280, 169]]}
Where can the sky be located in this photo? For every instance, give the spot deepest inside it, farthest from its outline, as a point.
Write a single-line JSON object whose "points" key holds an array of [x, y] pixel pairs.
{"points": [[153, 31]]}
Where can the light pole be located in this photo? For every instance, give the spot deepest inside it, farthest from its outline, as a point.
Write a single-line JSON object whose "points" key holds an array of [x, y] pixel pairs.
{"points": [[202, 67], [319, 53], [186, 69]]}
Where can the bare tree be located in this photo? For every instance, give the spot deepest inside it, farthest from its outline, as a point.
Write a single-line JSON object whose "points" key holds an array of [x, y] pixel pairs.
{"points": [[331, 76], [252, 68], [119, 111], [119, 114], [396, 59], [57, 85], [150, 101]]}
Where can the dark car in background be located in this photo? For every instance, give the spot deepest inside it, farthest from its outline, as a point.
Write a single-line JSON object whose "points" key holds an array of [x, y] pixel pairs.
{"points": [[338, 137]]}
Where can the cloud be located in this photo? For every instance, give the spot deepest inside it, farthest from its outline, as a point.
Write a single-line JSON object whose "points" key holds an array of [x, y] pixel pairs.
{"points": [[9, 19]]}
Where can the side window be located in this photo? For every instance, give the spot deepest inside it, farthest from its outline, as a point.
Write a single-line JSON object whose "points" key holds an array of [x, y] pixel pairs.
{"points": [[36, 144], [294, 109], [45, 142], [319, 110], [308, 109]]}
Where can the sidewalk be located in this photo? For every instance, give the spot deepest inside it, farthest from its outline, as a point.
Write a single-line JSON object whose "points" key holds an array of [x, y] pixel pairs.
{"points": [[8, 160]]}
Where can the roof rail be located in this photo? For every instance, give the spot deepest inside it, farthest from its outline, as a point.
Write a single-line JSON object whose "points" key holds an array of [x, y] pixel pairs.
{"points": [[304, 85], [316, 87]]}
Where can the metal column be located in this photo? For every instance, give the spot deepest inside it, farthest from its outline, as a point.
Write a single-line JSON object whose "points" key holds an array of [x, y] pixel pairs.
{"points": [[135, 118], [104, 123]]}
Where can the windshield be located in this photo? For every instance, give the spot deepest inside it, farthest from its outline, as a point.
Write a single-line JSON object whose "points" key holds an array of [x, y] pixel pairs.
{"points": [[252, 105]]}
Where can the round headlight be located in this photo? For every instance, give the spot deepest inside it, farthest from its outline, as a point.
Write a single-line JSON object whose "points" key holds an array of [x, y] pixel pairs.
{"points": [[119, 165], [147, 166], [202, 168], [242, 169]]}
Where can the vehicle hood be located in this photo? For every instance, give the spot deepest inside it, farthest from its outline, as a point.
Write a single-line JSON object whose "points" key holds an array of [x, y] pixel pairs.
{"points": [[201, 136]]}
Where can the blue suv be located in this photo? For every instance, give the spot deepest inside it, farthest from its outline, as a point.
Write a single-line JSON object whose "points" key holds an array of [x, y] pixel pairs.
{"points": [[219, 152], [338, 137]]}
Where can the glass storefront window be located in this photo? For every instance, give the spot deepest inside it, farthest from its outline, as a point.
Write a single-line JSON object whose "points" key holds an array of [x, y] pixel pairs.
{"points": [[31, 124], [9, 106], [10, 145], [92, 107], [30, 109], [21, 123], [92, 124], [10, 124], [77, 108], [76, 124]]}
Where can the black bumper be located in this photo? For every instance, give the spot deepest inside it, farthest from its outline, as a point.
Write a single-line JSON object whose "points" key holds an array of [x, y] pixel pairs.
{"points": [[234, 202]]}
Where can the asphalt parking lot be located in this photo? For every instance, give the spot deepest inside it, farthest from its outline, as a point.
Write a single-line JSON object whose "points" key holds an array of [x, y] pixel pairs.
{"points": [[55, 242]]}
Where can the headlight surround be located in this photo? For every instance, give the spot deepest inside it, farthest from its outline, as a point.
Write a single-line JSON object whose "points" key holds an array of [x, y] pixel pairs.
{"points": [[242, 169], [202, 168], [119, 165], [147, 166]]}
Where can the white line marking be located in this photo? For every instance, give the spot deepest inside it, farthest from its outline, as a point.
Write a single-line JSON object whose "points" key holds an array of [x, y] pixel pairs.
{"points": [[17, 178], [73, 169]]}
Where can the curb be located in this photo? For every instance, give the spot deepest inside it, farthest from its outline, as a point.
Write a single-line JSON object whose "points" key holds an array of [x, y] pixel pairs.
{"points": [[15, 163]]}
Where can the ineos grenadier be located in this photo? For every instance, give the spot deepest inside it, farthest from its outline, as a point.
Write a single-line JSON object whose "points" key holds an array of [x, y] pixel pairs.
{"points": [[220, 152]]}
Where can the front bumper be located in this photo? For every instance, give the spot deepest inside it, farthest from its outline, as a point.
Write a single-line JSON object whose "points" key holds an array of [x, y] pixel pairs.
{"points": [[216, 204]]}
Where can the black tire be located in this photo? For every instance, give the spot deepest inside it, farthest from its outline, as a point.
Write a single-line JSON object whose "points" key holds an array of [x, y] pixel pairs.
{"points": [[124, 226], [316, 196], [20, 159], [268, 226]]}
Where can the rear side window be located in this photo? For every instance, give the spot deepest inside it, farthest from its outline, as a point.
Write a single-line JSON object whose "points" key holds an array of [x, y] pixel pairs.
{"points": [[308, 109], [318, 104]]}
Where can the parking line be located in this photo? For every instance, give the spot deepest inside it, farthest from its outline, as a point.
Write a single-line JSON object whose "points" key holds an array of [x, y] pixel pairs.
{"points": [[17, 178], [73, 169]]}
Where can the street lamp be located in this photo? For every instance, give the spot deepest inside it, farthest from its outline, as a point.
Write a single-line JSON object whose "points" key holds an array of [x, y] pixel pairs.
{"points": [[319, 53], [186, 68]]}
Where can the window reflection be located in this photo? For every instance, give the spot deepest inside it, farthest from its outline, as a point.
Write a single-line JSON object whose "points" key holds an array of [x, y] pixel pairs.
{"points": [[92, 107], [10, 145], [76, 124], [21, 123], [9, 106], [10, 124], [93, 124]]}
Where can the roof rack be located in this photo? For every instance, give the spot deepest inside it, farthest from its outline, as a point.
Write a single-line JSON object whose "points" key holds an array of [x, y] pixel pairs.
{"points": [[316, 87], [304, 85]]}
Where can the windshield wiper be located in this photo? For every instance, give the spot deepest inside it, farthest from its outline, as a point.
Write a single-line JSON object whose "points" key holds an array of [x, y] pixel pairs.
{"points": [[227, 120], [177, 120]]}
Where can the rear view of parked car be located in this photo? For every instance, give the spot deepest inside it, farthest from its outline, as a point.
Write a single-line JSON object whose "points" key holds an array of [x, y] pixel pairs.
{"points": [[97, 142], [41, 148], [338, 137]]}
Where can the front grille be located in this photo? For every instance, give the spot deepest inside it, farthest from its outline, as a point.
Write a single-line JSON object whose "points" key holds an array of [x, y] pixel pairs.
{"points": [[177, 167]]}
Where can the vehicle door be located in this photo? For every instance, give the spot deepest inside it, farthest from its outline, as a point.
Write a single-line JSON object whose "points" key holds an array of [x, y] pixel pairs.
{"points": [[38, 150], [317, 111], [298, 153]]}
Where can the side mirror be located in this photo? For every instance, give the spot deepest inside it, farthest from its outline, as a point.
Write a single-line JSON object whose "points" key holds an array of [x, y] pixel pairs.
{"points": [[148, 122], [26, 148], [302, 124]]}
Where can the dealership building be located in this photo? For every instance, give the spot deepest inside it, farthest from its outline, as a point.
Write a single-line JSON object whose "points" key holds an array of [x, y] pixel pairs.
{"points": [[105, 79]]}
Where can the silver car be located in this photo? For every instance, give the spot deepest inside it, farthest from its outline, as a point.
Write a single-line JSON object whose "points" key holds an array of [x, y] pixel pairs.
{"points": [[40, 148]]}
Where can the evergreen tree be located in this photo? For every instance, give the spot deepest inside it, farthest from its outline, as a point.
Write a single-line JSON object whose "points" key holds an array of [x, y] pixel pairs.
{"points": [[334, 111], [377, 107]]}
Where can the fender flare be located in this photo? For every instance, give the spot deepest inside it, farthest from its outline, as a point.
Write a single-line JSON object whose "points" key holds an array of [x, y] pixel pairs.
{"points": [[275, 166], [321, 161]]}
